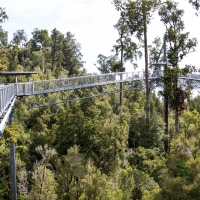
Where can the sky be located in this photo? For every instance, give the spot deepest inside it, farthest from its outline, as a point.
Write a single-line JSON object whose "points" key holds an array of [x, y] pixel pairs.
{"points": [[91, 22]]}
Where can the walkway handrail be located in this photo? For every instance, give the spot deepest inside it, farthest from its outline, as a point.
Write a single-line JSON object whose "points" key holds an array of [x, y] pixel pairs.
{"points": [[195, 76], [7, 93], [55, 85], [6, 117]]}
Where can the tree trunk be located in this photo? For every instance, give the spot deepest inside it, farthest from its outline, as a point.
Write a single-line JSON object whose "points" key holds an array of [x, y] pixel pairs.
{"points": [[121, 94], [166, 141], [146, 69], [176, 121], [43, 62], [177, 102], [42, 184], [121, 69]]}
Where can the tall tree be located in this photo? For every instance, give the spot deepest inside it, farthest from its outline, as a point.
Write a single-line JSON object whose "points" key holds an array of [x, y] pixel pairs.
{"points": [[20, 38], [138, 14], [40, 39], [155, 53], [125, 46], [43, 182], [71, 170], [179, 46], [56, 50], [3, 37], [155, 56], [5, 191], [40, 48], [72, 55], [12, 55], [3, 40], [107, 64]]}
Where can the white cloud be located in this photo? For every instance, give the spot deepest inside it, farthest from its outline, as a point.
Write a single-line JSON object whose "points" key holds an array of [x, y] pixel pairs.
{"points": [[90, 20], [92, 24], [29, 9]]}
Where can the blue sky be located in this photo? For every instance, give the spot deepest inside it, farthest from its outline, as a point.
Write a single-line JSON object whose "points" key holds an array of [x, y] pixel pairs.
{"points": [[91, 21]]}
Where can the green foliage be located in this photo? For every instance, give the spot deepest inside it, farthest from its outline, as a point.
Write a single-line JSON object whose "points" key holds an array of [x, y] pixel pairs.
{"points": [[134, 12], [71, 50], [99, 186], [22, 179], [175, 93], [3, 37], [177, 180], [176, 188], [12, 56], [126, 182], [110, 149], [145, 187], [147, 160], [71, 170], [105, 151], [155, 52], [191, 123], [137, 134], [195, 4], [3, 15], [40, 39], [179, 46], [107, 64], [43, 188], [56, 49], [3, 60], [10, 132], [43, 181], [136, 15], [194, 104], [19, 38], [127, 49], [4, 170]]}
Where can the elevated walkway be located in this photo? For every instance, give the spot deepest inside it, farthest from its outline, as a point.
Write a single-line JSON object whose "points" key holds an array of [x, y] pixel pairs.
{"points": [[9, 92], [72, 83]]}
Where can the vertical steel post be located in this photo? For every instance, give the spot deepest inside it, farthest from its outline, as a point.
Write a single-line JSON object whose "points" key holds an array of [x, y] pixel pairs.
{"points": [[12, 162], [12, 159], [13, 171]]}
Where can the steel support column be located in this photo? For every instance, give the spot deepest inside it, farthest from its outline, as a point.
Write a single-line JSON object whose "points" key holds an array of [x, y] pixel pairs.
{"points": [[12, 162]]}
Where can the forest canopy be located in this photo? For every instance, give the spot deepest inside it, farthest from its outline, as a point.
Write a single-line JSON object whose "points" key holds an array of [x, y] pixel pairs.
{"points": [[112, 147]]}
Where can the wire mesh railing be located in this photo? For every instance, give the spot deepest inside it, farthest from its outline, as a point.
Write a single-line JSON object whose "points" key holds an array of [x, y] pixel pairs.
{"points": [[55, 85], [7, 93]]}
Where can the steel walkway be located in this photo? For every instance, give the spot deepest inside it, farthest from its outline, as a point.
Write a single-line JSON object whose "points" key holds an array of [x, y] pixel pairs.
{"points": [[9, 92], [63, 84]]}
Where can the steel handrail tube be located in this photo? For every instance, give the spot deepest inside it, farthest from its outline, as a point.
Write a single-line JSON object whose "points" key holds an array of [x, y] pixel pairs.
{"points": [[45, 86], [6, 95]]}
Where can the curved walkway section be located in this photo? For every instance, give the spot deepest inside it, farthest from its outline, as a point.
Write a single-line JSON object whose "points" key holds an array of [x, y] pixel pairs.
{"points": [[7, 93]]}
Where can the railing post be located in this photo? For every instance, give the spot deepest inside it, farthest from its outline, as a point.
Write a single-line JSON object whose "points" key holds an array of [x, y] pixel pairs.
{"points": [[32, 88]]}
